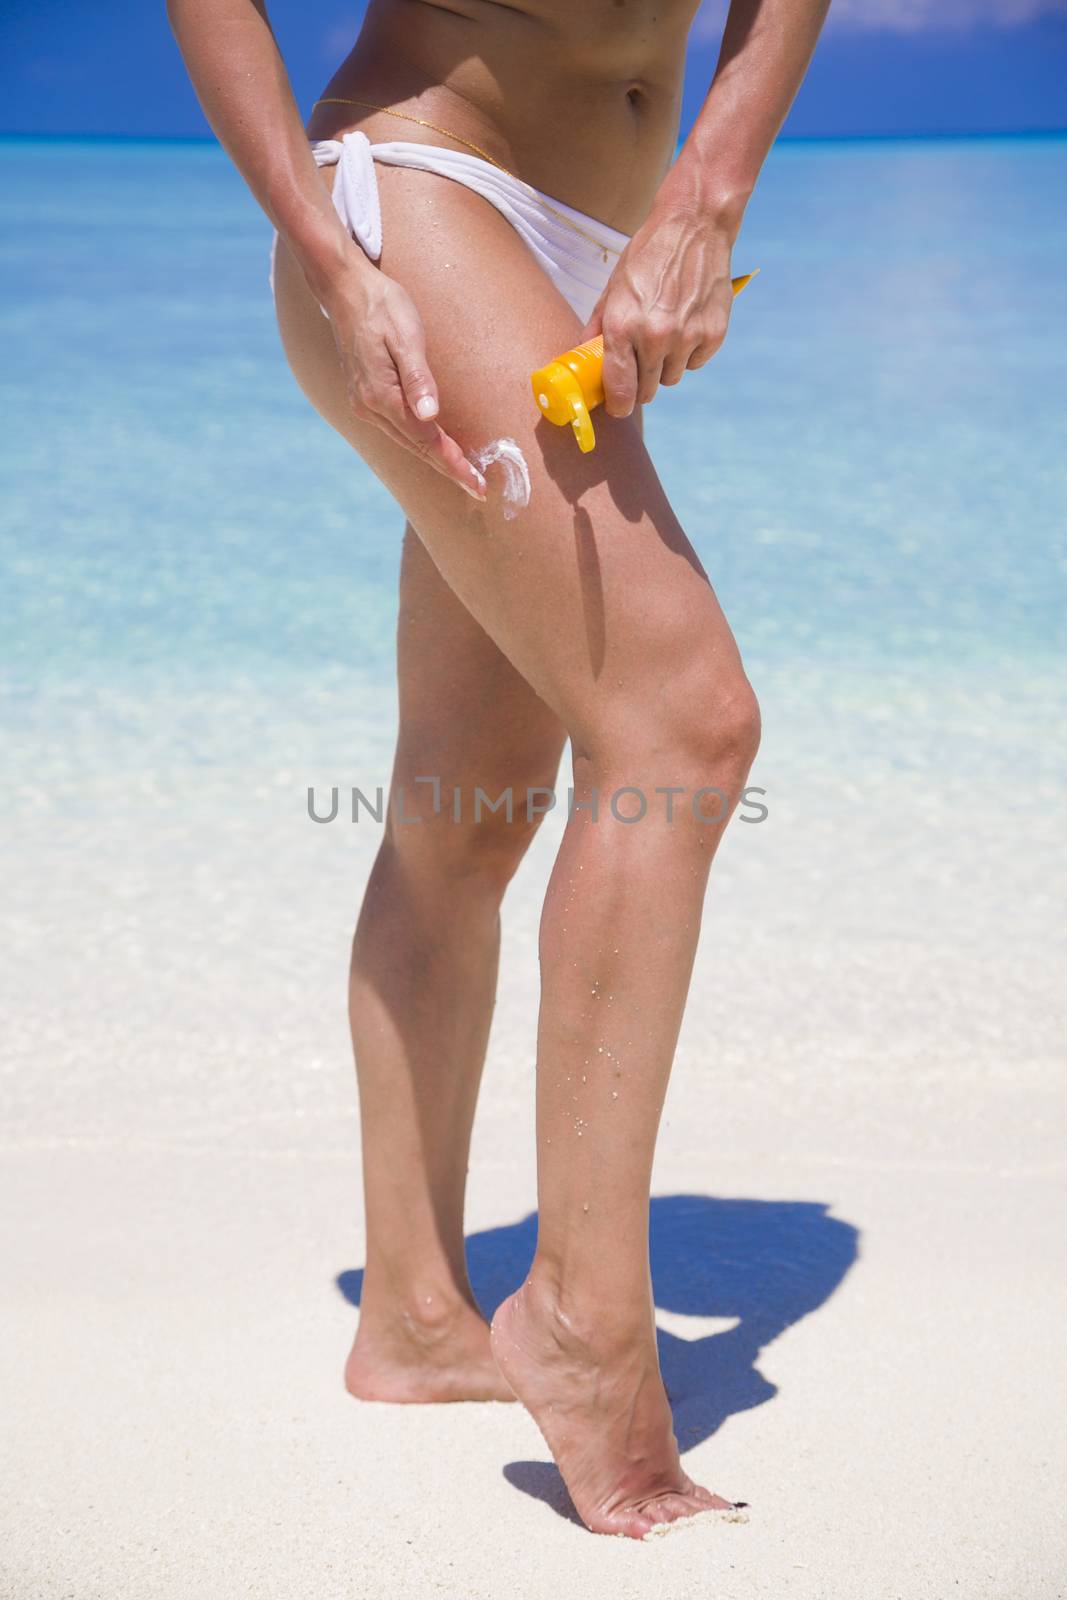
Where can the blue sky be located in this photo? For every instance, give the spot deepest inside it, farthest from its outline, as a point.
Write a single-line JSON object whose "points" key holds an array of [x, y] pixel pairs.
{"points": [[883, 67]]}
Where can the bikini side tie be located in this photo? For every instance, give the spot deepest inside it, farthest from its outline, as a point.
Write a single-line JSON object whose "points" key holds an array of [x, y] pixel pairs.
{"points": [[355, 189]]}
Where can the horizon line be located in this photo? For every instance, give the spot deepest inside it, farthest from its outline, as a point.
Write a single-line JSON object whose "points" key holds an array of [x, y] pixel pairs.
{"points": [[931, 135]]}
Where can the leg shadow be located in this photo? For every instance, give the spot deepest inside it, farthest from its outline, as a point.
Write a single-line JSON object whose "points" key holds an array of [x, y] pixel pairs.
{"points": [[760, 1264], [763, 1264]]}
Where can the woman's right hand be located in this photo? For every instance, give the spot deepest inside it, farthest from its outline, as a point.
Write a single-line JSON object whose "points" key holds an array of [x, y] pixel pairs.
{"points": [[382, 346], [240, 78]]}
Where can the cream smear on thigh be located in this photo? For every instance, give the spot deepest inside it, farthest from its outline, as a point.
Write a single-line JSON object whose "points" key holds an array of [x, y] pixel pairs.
{"points": [[506, 454]]}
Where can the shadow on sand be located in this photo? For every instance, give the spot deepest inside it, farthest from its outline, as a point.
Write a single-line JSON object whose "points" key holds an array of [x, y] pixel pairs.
{"points": [[760, 1264]]}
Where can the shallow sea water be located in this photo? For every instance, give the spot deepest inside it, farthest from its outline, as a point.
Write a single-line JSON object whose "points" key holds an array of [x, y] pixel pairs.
{"points": [[199, 600]]}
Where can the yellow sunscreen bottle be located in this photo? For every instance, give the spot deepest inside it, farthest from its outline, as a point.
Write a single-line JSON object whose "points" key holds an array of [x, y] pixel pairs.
{"points": [[572, 385]]}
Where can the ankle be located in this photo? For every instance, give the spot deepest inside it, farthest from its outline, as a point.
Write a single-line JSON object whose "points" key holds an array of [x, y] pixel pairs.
{"points": [[585, 1312], [425, 1308]]}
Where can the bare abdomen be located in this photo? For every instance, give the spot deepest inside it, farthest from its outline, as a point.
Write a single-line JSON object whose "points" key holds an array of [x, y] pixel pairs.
{"points": [[582, 100]]}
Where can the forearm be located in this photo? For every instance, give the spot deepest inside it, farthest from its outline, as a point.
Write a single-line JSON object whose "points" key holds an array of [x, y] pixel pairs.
{"points": [[241, 82], [767, 46]]}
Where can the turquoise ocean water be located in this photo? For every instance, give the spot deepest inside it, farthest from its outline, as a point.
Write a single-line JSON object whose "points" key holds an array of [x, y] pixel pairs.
{"points": [[198, 597], [198, 580], [874, 468]]}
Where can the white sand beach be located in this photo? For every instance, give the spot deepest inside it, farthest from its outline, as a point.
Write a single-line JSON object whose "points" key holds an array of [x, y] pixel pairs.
{"points": [[858, 1204]]}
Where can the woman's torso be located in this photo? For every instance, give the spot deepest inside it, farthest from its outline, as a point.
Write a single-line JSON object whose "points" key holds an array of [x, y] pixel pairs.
{"points": [[579, 97]]}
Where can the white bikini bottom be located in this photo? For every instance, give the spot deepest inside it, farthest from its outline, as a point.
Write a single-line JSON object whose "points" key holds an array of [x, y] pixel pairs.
{"points": [[575, 251]]}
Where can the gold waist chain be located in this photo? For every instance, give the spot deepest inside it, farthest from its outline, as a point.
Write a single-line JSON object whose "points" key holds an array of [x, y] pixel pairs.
{"points": [[338, 100]]}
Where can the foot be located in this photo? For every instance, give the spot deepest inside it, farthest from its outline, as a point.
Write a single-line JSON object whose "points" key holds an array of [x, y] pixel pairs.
{"points": [[439, 1352], [599, 1401]]}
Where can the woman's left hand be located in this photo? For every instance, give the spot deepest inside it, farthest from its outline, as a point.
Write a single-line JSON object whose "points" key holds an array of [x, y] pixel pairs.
{"points": [[666, 307]]}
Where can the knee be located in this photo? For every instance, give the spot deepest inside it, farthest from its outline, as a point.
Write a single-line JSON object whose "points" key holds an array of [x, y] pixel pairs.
{"points": [[705, 730], [726, 730], [713, 743], [469, 843]]}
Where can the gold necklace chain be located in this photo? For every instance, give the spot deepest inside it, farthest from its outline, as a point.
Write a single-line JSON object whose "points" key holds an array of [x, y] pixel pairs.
{"points": [[369, 105]]}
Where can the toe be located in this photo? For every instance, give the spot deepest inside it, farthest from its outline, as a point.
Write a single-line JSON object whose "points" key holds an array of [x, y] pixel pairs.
{"points": [[706, 1501], [681, 1505], [624, 1524]]}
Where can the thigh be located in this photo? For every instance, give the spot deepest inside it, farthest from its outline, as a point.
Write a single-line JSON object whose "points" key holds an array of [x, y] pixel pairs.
{"points": [[468, 718], [593, 593]]}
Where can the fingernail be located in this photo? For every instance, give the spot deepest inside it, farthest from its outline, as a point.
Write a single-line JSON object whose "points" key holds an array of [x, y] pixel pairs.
{"points": [[473, 493], [425, 407]]}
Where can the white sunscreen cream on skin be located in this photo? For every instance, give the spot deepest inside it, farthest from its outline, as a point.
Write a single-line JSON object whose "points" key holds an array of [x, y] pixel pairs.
{"points": [[506, 454]]}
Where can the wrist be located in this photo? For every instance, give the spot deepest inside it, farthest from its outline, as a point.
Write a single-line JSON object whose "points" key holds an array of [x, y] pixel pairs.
{"points": [[724, 208], [330, 262], [706, 200], [704, 188]]}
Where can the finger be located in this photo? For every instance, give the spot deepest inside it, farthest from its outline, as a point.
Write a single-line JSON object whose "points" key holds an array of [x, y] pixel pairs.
{"points": [[430, 442], [620, 374], [390, 412], [709, 345], [594, 325], [390, 429], [649, 368], [675, 364], [702, 355], [417, 404], [416, 379]]}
